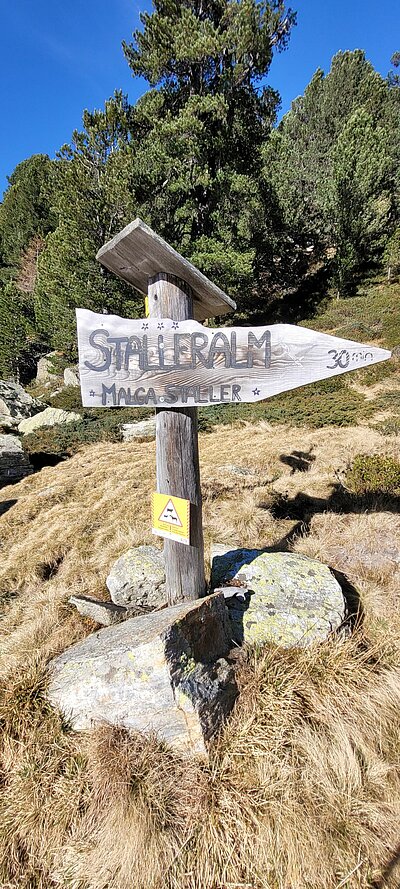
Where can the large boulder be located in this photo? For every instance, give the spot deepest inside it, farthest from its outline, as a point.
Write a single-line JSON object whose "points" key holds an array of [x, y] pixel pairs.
{"points": [[138, 578], [288, 598], [144, 430], [52, 416], [14, 462], [163, 672], [16, 405]]}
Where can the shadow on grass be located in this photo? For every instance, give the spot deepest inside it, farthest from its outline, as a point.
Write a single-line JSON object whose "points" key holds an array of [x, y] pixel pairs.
{"points": [[390, 866], [40, 459], [5, 505], [303, 507], [299, 461]]}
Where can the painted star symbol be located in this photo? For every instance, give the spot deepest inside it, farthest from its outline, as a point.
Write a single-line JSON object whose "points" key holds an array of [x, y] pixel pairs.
{"points": [[160, 326], [175, 325], [145, 325], [256, 391], [92, 394]]}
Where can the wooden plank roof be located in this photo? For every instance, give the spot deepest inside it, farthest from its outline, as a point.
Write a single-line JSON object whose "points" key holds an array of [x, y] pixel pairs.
{"points": [[137, 253]]}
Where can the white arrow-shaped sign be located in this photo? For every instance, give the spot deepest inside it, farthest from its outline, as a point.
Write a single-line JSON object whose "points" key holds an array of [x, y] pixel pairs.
{"points": [[168, 363]]}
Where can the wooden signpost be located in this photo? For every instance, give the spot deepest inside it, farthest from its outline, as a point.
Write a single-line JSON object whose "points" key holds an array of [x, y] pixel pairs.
{"points": [[170, 361], [179, 291]]}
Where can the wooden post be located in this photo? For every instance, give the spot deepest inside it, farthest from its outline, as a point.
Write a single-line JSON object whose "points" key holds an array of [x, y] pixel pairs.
{"points": [[178, 471]]}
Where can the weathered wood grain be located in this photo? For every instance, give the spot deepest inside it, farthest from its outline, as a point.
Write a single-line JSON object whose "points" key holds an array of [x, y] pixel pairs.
{"points": [[166, 362], [177, 460], [137, 253]]}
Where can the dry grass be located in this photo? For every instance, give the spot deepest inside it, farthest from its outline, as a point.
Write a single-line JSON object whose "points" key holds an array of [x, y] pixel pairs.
{"points": [[302, 789]]}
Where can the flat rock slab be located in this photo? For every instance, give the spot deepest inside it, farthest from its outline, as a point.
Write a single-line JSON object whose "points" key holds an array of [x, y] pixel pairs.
{"points": [[104, 613], [366, 545], [383, 556], [14, 462], [138, 578], [145, 430], [163, 672], [290, 599], [52, 416]]}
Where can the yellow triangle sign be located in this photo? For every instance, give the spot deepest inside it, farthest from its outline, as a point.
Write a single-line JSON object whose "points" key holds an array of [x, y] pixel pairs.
{"points": [[171, 517]]}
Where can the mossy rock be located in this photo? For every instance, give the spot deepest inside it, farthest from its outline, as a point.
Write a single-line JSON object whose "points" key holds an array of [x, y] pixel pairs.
{"points": [[290, 599]]}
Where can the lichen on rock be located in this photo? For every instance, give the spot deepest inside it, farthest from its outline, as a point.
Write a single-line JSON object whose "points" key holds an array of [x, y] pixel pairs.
{"points": [[290, 599]]}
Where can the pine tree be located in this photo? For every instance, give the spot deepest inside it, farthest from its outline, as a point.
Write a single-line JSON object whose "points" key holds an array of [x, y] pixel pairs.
{"points": [[334, 163], [197, 150], [25, 211], [25, 218], [92, 201]]}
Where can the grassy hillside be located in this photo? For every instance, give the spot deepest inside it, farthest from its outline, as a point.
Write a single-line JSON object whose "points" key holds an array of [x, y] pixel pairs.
{"points": [[302, 789], [303, 786]]}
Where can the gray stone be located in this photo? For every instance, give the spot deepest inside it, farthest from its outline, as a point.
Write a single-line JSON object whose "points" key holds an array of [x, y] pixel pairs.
{"points": [[163, 672], [52, 416], [45, 371], [145, 430], [229, 591], [138, 578], [16, 404], [71, 376], [14, 462], [238, 470], [290, 598], [104, 613]]}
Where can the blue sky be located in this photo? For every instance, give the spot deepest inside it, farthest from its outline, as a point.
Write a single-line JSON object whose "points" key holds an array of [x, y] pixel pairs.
{"points": [[59, 58]]}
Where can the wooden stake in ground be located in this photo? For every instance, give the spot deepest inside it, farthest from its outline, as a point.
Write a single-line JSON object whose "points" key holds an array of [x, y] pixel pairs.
{"points": [[176, 290], [177, 450]]}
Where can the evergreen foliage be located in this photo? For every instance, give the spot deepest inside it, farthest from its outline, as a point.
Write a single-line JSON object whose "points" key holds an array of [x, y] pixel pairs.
{"points": [[275, 215], [376, 474], [197, 162], [92, 201], [334, 162], [25, 211], [25, 218]]}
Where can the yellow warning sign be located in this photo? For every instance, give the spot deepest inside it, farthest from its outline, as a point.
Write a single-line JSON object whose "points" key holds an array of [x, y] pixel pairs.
{"points": [[146, 306], [171, 517]]}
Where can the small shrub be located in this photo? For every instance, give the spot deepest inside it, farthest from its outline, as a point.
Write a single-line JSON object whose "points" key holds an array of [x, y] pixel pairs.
{"points": [[68, 399], [389, 427], [366, 376], [325, 403], [375, 474]]}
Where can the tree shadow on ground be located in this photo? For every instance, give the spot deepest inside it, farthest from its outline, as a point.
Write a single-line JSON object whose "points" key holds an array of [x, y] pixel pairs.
{"points": [[299, 461], [5, 505], [386, 875], [303, 506]]}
